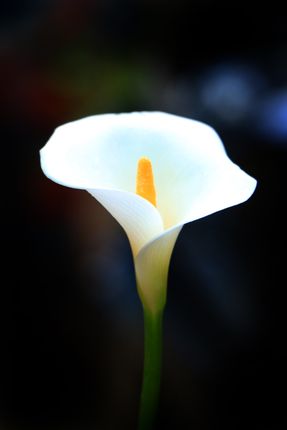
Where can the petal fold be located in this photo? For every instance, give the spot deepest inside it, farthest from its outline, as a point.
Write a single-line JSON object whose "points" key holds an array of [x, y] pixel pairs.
{"points": [[139, 218], [151, 267]]}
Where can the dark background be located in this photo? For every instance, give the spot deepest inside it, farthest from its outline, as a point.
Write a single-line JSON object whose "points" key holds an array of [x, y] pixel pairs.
{"points": [[71, 322]]}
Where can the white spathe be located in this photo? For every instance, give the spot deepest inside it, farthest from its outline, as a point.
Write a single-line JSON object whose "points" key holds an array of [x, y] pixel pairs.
{"points": [[193, 178]]}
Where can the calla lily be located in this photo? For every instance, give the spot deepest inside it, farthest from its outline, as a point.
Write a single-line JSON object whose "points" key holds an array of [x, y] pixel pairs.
{"points": [[154, 172], [193, 177]]}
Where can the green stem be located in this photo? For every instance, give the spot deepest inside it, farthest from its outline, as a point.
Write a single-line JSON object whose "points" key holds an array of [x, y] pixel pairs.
{"points": [[152, 368]]}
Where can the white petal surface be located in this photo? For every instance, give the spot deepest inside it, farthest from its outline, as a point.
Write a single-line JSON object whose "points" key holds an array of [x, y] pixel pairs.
{"points": [[218, 188], [193, 175]]}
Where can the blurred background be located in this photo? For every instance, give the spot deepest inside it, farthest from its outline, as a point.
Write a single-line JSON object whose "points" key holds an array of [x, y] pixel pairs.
{"points": [[72, 328]]}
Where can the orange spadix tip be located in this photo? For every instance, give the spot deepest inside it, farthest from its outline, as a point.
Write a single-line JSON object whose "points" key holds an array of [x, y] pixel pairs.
{"points": [[144, 182]]}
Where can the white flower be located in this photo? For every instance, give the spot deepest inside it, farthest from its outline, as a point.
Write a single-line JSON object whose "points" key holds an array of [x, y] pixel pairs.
{"points": [[193, 177]]}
